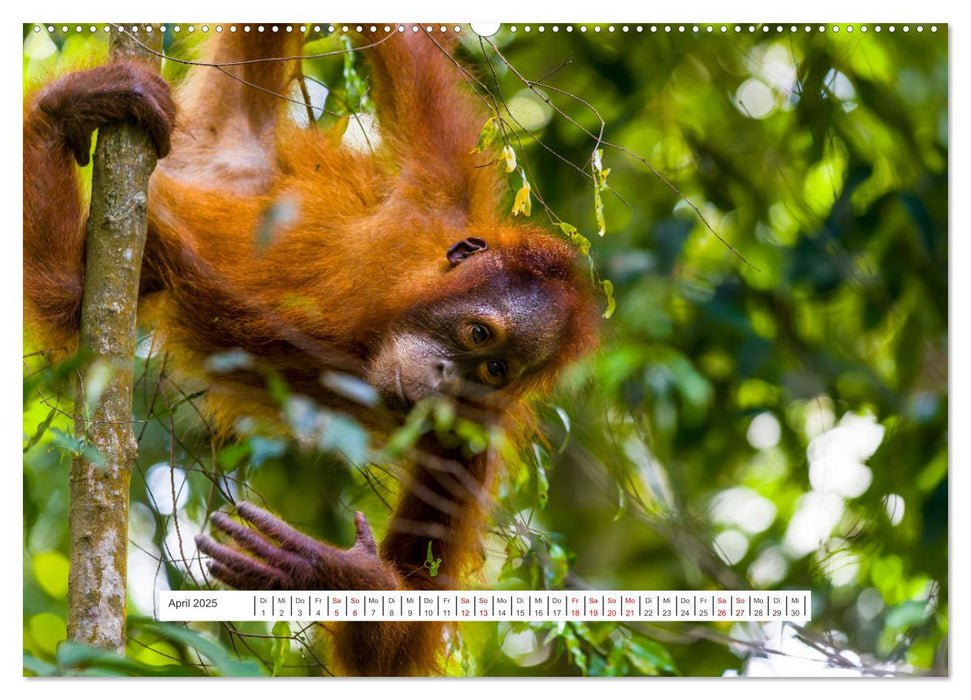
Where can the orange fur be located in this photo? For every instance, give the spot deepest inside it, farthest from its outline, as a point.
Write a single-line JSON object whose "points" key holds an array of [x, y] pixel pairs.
{"points": [[356, 240]]}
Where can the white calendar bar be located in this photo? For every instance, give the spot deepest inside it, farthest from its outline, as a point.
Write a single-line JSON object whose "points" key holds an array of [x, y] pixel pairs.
{"points": [[537, 606]]}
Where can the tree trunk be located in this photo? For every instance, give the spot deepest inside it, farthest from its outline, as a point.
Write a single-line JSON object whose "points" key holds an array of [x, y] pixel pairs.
{"points": [[124, 159]]}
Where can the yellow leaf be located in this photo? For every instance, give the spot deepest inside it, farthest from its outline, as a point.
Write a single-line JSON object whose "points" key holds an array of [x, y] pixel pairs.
{"points": [[523, 205], [508, 158]]}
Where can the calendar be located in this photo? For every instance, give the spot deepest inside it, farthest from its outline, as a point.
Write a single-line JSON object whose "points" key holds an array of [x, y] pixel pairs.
{"points": [[459, 606]]}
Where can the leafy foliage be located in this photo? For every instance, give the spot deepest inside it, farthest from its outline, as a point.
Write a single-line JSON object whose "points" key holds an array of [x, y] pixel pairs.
{"points": [[769, 407]]}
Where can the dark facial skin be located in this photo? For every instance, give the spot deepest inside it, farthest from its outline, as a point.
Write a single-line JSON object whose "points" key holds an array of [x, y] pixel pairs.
{"points": [[472, 344]]}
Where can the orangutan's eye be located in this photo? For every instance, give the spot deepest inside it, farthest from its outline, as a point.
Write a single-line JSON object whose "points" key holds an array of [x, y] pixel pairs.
{"points": [[480, 334], [495, 371]]}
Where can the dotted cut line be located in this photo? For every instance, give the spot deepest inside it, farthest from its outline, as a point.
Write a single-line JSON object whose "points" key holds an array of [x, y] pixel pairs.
{"points": [[653, 28]]}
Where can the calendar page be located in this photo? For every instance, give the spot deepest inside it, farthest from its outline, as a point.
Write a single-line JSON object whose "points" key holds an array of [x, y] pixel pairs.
{"points": [[485, 350]]}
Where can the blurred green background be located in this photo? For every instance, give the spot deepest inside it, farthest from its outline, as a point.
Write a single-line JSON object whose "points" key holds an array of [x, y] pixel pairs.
{"points": [[768, 410]]}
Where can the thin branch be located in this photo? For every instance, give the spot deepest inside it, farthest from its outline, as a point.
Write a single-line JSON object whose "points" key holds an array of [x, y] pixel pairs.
{"points": [[599, 141]]}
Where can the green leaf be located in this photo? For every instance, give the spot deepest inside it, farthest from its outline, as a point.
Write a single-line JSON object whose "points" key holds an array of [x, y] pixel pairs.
{"points": [[66, 442], [41, 429], [277, 386], [621, 503], [76, 447], [586, 634], [649, 657], [598, 212], [302, 417], [407, 435], [488, 134], [350, 387], [262, 449], [443, 416], [38, 667], [74, 659], [431, 563], [574, 648], [355, 85], [281, 644], [559, 566], [231, 456], [474, 436], [599, 185], [565, 419], [93, 455], [608, 287], [345, 435], [582, 243], [542, 482], [908, 614], [616, 664], [221, 658]]}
